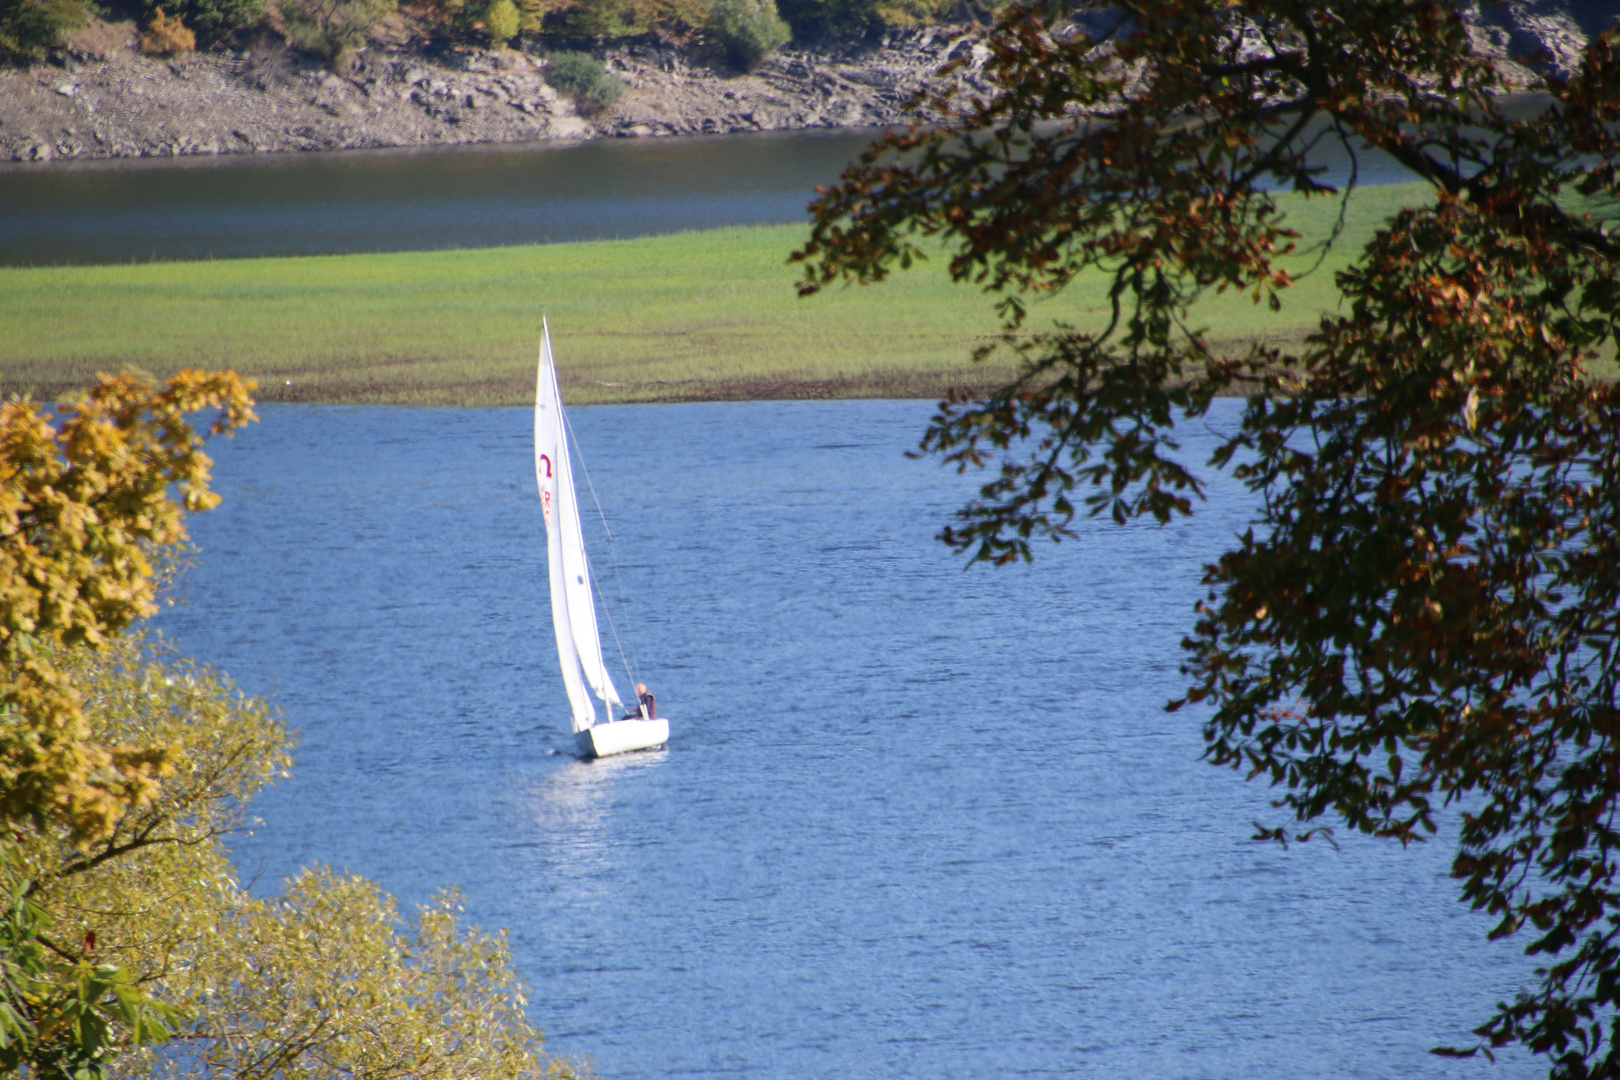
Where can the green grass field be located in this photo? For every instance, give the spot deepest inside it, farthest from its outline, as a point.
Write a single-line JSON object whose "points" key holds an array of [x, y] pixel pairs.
{"points": [[706, 315]]}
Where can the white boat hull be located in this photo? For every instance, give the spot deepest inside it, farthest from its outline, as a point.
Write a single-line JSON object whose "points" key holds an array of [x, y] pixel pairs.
{"points": [[622, 736]]}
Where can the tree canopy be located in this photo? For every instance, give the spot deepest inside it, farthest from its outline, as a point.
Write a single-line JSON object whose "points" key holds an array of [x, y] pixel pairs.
{"points": [[84, 506], [125, 937], [323, 980], [86, 520], [1424, 611]]}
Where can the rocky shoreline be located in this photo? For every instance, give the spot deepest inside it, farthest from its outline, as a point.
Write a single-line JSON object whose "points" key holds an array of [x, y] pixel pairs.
{"points": [[100, 98], [105, 100]]}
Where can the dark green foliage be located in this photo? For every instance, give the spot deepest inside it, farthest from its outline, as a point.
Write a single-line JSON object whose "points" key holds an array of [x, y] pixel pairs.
{"points": [[750, 30], [810, 17], [1426, 611], [28, 28], [469, 16], [583, 77], [620, 18], [334, 29], [212, 19], [601, 19]]}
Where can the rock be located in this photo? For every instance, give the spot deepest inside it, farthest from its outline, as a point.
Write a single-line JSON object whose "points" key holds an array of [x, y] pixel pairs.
{"points": [[568, 127], [67, 89]]}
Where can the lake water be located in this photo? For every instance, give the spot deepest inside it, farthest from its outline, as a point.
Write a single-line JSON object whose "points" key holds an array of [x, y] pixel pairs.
{"points": [[912, 821], [410, 200], [414, 200]]}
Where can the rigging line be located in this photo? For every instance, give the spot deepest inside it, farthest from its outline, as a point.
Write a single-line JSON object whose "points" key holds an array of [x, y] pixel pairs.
{"points": [[614, 630], [613, 550]]}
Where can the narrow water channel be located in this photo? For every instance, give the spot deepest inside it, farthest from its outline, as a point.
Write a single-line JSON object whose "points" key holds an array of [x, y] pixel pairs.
{"points": [[410, 200], [428, 199]]}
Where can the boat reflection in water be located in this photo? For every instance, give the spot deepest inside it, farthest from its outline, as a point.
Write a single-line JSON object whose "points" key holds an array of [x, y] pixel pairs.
{"points": [[578, 813]]}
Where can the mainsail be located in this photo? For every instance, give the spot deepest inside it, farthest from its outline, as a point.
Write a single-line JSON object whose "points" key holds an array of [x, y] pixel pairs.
{"points": [[573, 611]]}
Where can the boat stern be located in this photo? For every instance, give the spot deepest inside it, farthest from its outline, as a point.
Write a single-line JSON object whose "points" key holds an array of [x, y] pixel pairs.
{"points": [[622, 736]]}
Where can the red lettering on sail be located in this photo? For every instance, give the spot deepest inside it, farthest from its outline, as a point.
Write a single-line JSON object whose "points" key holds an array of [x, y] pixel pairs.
{"points": [[547, 460]]}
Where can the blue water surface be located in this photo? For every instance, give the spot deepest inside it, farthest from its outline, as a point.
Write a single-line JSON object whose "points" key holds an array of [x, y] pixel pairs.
{"points": [[912, 821]]}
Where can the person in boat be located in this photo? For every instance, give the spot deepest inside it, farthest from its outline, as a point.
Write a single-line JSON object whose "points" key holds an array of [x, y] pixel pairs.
{"points": [[648, 704]]}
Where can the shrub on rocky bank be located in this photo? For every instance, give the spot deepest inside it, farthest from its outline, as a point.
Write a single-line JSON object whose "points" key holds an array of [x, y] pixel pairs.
{"points": [[166, 35], [585, 78], [334, 29], [750, 30]]}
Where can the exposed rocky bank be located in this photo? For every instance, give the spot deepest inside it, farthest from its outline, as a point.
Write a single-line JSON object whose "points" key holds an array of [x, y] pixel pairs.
{"points": [[101, 98]]}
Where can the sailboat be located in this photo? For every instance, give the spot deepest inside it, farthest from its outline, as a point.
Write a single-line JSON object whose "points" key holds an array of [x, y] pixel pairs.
{"points": [[573, 610]]}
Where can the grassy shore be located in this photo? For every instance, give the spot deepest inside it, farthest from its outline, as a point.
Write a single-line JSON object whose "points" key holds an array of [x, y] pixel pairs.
{"points": [[707, 315]]}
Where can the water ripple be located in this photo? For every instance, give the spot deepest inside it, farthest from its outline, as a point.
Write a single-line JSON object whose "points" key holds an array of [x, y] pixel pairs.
{"points": [[912, 821]]}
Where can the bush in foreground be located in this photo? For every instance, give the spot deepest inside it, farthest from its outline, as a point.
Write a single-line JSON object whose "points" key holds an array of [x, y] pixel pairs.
{"points": [[1419, 631], [127, 945], [327, 978], [584, 77], [750, 30]]}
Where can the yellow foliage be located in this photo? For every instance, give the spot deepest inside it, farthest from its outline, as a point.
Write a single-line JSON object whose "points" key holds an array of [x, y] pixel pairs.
{"points": [[165, 36], [326, 979], [502, 20], [130, 879], [84, 504]]}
